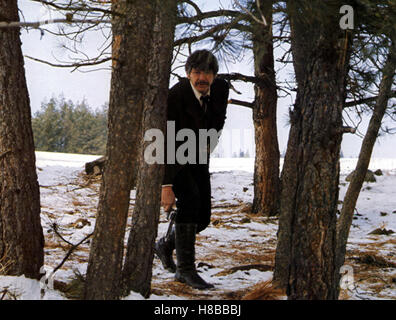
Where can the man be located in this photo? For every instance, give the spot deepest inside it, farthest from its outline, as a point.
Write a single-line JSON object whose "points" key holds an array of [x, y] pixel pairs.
{"points": [[196, 102]]}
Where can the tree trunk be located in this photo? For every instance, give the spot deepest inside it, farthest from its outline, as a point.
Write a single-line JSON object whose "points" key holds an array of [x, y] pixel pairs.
{"points": [[266, 166], [306, 250], [357, 180], [131, 42], [137, 270], [21, 234]]}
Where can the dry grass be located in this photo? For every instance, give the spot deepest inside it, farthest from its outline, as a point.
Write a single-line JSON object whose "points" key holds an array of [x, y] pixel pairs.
{"points": [[78, 203], [246, 208], [223, 256], [3, 266], [374, 260], [73, 289], [5, 263], [53, 245], [389, 242], [367, 256], [6, 294], [221, 205], [264, 291], [368, 265], [173, 287], [373, 273], [260, 267], [92, 182], [78, 224]]}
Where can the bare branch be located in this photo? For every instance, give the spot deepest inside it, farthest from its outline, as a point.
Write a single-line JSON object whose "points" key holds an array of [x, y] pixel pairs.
{"points": [[212, 14], [194, 5], [241, 103], [347, 130], [72, 65], [211, 32], [263, 21], [366, 100], [73, 247], [69, 7], [240, 77], [38, 24], [261, 13]]}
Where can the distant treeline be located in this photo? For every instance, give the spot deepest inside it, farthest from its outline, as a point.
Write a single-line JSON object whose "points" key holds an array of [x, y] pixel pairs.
{"points": [[63, 126]]}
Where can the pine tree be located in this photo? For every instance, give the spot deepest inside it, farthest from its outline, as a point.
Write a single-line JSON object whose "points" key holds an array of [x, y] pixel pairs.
{"points": [[63, 126], [21, 234]]}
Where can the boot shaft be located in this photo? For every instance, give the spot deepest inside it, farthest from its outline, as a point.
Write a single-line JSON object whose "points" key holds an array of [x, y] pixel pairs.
{"points": [[185, 245], [185, 253], [164, 250]]}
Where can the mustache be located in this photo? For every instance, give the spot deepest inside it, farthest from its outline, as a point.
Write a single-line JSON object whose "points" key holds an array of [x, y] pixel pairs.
{"points": [[202, 83]]}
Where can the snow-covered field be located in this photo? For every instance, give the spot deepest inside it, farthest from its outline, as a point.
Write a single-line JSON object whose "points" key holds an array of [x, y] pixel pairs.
{"points": [[234, 253]]}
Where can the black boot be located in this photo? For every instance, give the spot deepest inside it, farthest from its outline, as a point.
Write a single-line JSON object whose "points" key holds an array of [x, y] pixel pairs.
{"points": [[164, 250], [185, 253]]}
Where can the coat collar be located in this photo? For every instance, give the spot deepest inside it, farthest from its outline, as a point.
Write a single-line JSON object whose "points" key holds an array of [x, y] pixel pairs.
{"points": [[198, 94], [192, 104]]}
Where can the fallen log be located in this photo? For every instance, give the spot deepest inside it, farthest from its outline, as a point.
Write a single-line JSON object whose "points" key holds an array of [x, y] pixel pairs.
{"points": [[95, 167]]}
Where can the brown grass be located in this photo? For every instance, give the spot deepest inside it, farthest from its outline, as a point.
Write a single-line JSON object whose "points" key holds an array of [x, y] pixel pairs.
{"points": [[260, 267], [391, 241], [238, 257], [79, 223], [53, 245], [173, 287], [246, 208], [264, 291], [5, 294], [73, 289], [4, 263], [78, 203], [372, 272], [224, 206], [372, 259]]}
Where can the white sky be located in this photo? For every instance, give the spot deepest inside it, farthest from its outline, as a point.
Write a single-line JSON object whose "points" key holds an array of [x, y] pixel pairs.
{"points": [[45, 82]]}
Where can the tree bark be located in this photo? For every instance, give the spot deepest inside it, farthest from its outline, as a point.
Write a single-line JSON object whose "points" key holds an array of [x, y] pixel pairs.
{"points": [[137, 270], [132, 35], [352, 194], [306, 249], [266, 166], [21, 234]]}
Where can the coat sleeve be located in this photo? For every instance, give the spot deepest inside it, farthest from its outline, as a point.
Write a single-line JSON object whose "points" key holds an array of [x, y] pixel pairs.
{"points": [[222, 102], [173, 104]]}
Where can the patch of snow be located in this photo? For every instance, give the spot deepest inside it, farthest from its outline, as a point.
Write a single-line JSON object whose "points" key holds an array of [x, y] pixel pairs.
{"points": [[22, 288], [64, 202]]}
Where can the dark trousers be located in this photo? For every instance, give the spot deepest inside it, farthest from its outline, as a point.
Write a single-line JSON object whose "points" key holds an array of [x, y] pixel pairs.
{"points": [[193, 194]]}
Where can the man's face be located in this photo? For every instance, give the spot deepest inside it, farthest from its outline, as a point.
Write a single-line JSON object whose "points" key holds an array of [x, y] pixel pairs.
{"points": [[201, 80]]}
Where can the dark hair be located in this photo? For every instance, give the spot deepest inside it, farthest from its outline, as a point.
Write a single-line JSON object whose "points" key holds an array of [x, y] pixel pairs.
{"points": [[203, 60]]}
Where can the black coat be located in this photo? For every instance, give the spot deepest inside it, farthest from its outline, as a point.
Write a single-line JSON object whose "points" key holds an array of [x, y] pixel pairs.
{"points": [[185, 109]]}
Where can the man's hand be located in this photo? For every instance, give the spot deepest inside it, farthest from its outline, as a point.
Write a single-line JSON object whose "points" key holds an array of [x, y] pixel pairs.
{"points": [[167, 198]]}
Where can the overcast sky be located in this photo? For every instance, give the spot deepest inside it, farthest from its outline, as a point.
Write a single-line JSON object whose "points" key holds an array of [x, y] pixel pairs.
{"points": [[45, 82]]}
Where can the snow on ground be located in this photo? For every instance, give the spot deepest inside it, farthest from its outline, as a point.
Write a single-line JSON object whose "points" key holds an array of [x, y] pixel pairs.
{"points": [[234, 253]]}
